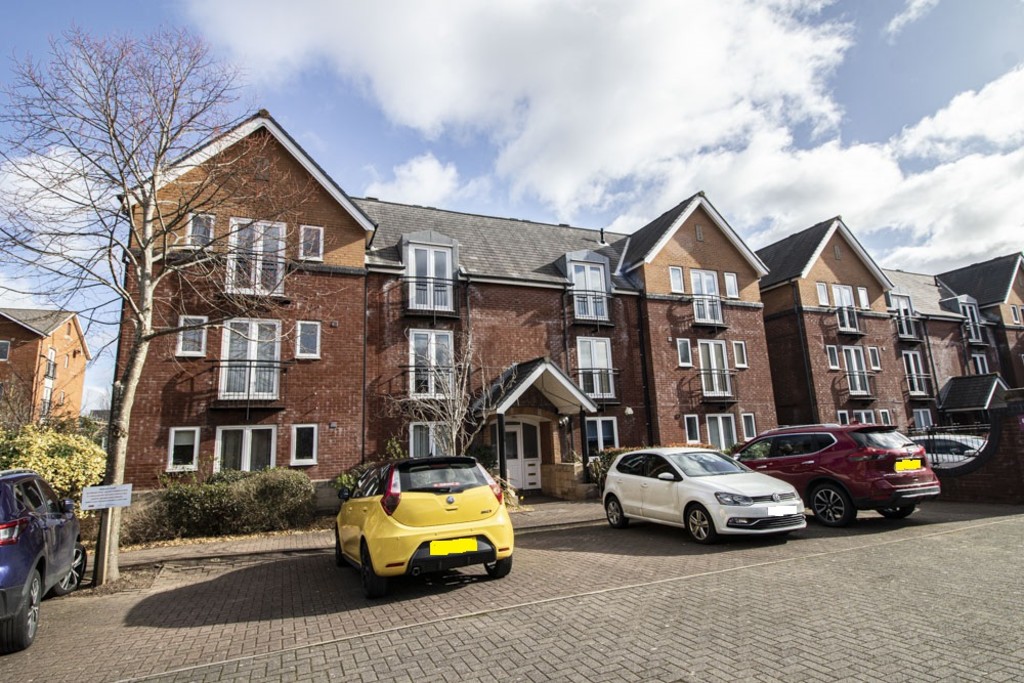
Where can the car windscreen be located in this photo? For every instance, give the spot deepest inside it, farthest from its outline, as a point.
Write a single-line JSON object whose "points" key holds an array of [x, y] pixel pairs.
{"points": [[440, 477], [706, 464], [885, 439]]}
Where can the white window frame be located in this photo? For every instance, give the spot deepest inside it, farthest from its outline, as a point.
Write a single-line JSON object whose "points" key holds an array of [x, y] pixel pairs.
{"points": [[692, 420], [246, 445], [433, 375], [183, 321], [884, 416], [979, 363], [926, 414], [299, 353], [190, 235], [749, 431], [171, 467], [676, 282], [265, 232], [251, 337], [601, 445], [432, 441], [855, 375], [874, 358], [707, 305], [832, 355], [739, 354], [722, 419], [295, 442], [303, 255], [843, 417], [972, 322], [597, 388], [822, 294], [913, 365], [732, 285], [1015, 314], [433, 289], [590, 285], [684, 344], [715, 379], [5, 351], [862, 298]]}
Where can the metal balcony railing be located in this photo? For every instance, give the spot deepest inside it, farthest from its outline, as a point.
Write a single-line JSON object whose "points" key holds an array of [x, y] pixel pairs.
{"points": [[718, 385], [598, 383], [920, 386], [848, 322], [45, 407], [249, 380], [860, 384], [51, 370], [430, 381], [429, 296], [907, 328], [707, 310], [972, 331], [590, 305]]}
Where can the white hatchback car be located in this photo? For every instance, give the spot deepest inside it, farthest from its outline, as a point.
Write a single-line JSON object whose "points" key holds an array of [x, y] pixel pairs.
{"points": [[704, 491]]}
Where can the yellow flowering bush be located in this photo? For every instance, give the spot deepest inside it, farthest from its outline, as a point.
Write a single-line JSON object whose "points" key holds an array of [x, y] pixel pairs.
{"points": [[69, 462]]}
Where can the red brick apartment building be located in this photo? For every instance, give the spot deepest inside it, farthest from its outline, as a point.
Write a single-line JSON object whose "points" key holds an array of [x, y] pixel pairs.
{"points": [[42, 363], [596, 339]]}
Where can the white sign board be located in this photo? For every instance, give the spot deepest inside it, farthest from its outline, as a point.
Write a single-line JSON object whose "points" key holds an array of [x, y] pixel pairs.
{"points": [[100, 497]]}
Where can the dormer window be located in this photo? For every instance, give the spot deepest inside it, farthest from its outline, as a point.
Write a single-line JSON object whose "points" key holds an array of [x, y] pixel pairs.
{"points": [[972, 324], [430, 278], [590, 294]]}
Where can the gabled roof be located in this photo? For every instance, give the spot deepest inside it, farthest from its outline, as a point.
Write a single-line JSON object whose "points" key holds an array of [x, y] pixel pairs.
{"points": [[791, 258], [645, 243], [973, 392], [988, 282], [44, 322], [546, 377], [924, 291], [489, 247], [262, 120]]}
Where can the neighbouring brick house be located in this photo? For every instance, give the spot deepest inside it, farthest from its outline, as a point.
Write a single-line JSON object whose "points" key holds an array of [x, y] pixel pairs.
{"points": [[42, 363], [832, 350]]}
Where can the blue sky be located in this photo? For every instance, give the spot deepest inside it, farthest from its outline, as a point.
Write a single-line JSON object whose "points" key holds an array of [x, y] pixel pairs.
{"points": [[903, 116]]}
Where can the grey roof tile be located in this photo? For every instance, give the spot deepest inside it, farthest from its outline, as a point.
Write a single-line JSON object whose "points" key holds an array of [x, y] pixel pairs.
{"points": [[41, 320], [646, 238], [988, 282], [924, 291], [787, 258], [973, 392]]}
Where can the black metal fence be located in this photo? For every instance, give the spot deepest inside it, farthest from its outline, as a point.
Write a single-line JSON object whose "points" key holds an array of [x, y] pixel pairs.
{"points": [[953, 445]]}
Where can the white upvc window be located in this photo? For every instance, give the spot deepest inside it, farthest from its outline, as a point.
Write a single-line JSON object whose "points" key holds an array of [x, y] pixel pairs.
{"points": [[884, 416], [973, 323], [905, 325], [311, 243], [707, 308], [685, 353], [979, 362], [675, 279], [732, 286], [256, 257], [714, 368], [590, 293], [602, 434], [191, 342], [917, 380], [922, 418], [856, 371], [692, 423], [832, 353], [721, 431], [749, 426], [245, 448], [250, 354], [199, 232], [843, 417], [845, 310], [5, 351], [866, 417], [822, 294], [430, 278], [875, 358], [1015, 314], [304, 444], [595, 367], [739, 354], [307, 339], [183, 449], [424, 440], [862, 297], [430, 355]]}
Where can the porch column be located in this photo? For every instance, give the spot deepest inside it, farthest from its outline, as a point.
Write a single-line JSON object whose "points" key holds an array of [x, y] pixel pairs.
{"points": [[502, 461], [585, 447]]}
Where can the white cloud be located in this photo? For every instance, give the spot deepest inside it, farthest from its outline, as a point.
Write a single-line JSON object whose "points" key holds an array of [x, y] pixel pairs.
{"points": [[912, 11], [425, 181]]}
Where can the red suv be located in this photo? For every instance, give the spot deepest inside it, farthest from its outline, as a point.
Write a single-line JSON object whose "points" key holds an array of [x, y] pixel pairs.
{"points": [[839, 469]]}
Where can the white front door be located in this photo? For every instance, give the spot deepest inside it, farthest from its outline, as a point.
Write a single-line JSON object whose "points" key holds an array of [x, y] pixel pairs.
{"points": [[522, 455]]}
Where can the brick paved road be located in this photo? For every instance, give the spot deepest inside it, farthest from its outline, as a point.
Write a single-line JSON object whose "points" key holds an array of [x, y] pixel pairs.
{"points": [[935, 597]]}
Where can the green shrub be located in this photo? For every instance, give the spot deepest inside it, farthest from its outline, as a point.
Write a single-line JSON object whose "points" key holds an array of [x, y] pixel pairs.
{"points": [[68, 461]]}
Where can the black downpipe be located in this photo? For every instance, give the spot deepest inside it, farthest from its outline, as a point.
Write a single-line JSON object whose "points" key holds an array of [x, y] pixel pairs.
{"points": [[815, 416], [644, 378], [570, 446]]}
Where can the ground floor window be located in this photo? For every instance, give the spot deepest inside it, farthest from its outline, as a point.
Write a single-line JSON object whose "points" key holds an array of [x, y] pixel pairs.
{"points": [[183, 449], [866, 417], [692, 423], [425, 439], [922, 418], [246, 448], [721, 431], [749, 426], [843, 417], [884, 417], [304, 444], [602, 433]]}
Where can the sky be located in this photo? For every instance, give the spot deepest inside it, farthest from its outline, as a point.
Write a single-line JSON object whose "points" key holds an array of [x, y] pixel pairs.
{"points": [[902, 116]]}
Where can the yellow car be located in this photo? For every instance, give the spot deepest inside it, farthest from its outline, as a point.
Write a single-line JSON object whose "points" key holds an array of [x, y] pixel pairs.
{"points": [[411, 517]]}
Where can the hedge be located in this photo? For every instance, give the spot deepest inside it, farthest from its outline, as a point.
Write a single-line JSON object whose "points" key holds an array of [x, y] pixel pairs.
{"points": [[68, 462]]}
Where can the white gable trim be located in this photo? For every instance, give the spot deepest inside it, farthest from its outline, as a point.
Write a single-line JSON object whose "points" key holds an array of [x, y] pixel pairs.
{"points": [[545, 368], [838, 224], [1013, 278], [756, 263], [246, 129]]}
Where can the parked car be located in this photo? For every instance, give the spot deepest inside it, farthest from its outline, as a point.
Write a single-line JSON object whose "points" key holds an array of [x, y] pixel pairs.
{"points": [[704, 491], [40, 553], [840, 469], [411, 517], [949, 449]]}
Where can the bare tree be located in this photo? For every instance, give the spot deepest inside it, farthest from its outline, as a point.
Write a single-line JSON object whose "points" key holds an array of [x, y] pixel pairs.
{"points": [[114, 155]]}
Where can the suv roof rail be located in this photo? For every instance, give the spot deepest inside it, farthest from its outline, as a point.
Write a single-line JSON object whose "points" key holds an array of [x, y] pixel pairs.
{"points": [[17, 470], [812, 424]]}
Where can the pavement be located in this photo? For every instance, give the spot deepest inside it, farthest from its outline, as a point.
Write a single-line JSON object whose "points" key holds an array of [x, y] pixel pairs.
{"points": [[536, 514]]}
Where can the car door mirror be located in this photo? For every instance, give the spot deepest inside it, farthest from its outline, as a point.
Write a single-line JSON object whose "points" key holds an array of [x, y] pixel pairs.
{"points": [[344, 493], [668, 476], [67, 506]]}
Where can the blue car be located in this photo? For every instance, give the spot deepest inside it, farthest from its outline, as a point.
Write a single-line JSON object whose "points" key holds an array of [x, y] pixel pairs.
{"points": [[41, 553]]}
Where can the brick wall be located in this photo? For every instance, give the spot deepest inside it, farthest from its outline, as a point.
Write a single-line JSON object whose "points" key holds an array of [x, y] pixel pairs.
{"points": [[23, 365]]}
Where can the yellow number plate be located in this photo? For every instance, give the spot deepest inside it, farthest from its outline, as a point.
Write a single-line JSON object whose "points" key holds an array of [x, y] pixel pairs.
{"points": [[453, 547], [902, 465]]}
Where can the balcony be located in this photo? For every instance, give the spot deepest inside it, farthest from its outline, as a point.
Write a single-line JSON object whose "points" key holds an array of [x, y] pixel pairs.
{"points": [[848, 321], [973, 335], [920, 387], [430, 296], [44, 408], [707, 310], [718, 386], [860, 386], [430, 381], [598, 383], [907, 328], [249, 384], [590, 306]]}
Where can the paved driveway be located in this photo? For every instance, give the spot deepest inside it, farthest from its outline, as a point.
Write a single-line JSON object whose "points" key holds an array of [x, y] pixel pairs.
{"points": [[935, 597]]}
